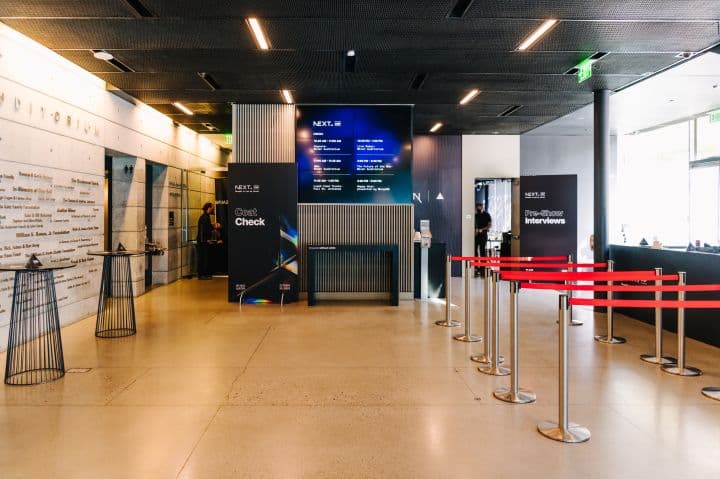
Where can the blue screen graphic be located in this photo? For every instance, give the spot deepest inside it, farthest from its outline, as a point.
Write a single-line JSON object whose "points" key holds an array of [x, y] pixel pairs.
{"points": [[354, 154]]}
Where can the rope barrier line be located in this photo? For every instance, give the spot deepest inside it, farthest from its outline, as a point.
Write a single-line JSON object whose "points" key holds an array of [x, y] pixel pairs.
{"points": [[623, 288], [584, 276], [509, 258], [646, 303], [538, 265]]}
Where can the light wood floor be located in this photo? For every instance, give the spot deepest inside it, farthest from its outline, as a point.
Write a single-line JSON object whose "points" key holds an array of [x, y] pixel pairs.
{"points": [[209, 390]]}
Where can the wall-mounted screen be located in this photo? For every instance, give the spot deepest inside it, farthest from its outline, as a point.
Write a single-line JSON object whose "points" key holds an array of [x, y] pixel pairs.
{"points": [[354, 154]]}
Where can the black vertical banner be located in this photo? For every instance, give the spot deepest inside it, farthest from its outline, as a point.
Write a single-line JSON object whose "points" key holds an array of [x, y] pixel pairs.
{"points": [[548, 215], [262, 217]]}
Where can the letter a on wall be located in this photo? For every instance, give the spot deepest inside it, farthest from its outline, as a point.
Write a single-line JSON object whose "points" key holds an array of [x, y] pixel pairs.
{"points": [[263, 238]]}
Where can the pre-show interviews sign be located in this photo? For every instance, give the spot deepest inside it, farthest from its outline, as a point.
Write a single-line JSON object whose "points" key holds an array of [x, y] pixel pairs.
{"points": [[262, 249], [548, 215]]}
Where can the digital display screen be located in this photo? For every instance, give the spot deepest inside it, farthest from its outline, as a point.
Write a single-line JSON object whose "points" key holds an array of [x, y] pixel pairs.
{"points": [[354, 154]]}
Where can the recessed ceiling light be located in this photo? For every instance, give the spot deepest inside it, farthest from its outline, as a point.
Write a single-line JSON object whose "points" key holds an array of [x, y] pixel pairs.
{"points": [[103, 55], [537, 34], [471, 94], [496, 132], [183, 108], [257, 31], [350, 53], [436, 127], [287, 96]]}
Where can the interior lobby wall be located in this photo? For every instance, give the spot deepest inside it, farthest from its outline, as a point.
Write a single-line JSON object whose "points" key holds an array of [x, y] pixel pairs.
{"points": [[484, 156], [567, 155], [56, 122]]}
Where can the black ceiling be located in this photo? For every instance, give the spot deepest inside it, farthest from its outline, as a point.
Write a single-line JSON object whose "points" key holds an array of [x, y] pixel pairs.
{"points": [[394, 41]]}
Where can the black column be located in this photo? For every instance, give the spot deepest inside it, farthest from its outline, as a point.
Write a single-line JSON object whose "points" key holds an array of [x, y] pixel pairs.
{"points": [[601, 135]]}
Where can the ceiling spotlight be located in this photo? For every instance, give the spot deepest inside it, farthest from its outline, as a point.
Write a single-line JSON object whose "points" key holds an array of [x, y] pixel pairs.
{"points": [[102, 55], [287, 96], [183, 108], [257, 31], [350, 53], [471, 94], [436, 127], [537, 34]]}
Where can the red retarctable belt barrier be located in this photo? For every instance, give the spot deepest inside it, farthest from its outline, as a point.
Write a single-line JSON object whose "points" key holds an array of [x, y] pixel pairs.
{"points": [[539, 265], [641, 303], [620, 288], [509, 258], [582, 276]]}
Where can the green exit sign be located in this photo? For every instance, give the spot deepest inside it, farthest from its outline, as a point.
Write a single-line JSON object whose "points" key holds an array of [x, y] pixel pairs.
{"points": [[584, 70], [715, 116]]}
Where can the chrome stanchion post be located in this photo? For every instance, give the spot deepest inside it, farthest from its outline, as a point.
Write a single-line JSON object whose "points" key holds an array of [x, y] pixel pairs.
{"points": [[609, 338], [447, 322], [494, 368], [468, 336], [563, 430], [658, 357], [484, 357], [514, 394], [573, 322], [712, 392], [680, 369]]}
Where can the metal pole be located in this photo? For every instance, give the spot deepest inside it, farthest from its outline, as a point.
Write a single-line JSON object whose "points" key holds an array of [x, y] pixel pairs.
{"points": [[658, 357], [712, 392], [468, 336], [494, 368], [563, 430], [514, 394], [448, 323], [573, 322], [680, 369], [484, 357], [609, 338]]}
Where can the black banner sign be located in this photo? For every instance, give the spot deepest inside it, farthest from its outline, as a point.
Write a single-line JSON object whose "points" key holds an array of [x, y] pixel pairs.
{"points": [[548, 215], [262, 226]]}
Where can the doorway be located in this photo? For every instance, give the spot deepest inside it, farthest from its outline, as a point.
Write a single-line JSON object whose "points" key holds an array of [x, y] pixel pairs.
{"points": [[496, 195]]}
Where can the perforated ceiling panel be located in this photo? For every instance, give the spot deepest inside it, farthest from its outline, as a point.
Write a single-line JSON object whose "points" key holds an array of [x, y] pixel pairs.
{"points": [[409, 52]]}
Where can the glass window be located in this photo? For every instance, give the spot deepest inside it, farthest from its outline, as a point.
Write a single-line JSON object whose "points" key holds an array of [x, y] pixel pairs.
{"points": [[708, 138], [652, 186]]}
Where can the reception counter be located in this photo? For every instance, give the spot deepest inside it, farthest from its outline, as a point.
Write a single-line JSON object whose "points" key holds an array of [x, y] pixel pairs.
{"points": [[701, 268]]}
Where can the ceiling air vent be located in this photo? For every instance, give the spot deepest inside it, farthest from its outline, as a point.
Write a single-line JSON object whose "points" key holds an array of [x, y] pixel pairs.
{"points": [[418, 81], [140, 10], [511, 110], [460, 9], [209, 80]]}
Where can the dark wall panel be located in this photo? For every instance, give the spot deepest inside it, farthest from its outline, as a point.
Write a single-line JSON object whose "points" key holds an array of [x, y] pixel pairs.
{"points": [[437, 170]]}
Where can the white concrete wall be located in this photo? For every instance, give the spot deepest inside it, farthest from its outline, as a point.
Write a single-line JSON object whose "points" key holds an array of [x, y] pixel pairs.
{"points": [[484, 156], [57, 120]]}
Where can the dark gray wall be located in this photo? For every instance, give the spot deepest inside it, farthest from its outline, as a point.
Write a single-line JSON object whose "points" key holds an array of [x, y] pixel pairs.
{"points": [[437, 169]]}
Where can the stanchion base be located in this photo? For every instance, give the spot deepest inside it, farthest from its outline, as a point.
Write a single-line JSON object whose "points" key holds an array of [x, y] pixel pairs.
{"points": [[686, 371], [522, 396], [467, 339], [574, 433], [612, 340], [483, 359], [650, 358], [493, 370], [574, 322], [712, 392], [448, 324]]}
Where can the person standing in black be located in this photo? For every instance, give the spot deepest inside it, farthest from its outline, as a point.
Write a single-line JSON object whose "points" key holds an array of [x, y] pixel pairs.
{"points": [[204, 236], [483, 222]]}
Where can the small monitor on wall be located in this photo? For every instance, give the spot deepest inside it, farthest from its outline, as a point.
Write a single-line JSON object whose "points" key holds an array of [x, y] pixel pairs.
{"points": [[354, 154]]}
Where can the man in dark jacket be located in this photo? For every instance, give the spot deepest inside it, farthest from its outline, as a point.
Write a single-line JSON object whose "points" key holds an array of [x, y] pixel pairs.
{"points": [[483, 222], [204, 235]]}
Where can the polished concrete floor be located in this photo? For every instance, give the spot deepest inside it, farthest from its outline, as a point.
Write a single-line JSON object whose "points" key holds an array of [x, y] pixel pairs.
{"points": [[209, 390]]}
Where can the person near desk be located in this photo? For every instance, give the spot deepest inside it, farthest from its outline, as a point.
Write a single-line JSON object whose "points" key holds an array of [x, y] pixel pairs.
{"points": [[483, 223], [204, 236]]}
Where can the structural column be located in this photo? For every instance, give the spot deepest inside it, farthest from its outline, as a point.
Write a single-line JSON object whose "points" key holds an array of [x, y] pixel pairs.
{"points": [[601, 134]]}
